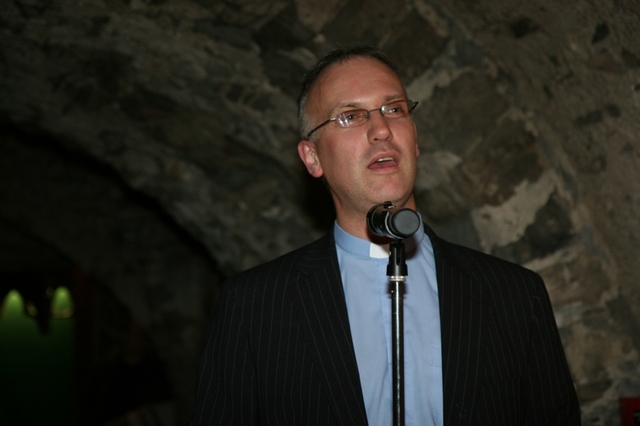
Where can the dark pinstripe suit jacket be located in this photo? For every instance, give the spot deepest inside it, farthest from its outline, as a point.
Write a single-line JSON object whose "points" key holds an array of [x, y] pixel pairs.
{"points": [[280, 351]]}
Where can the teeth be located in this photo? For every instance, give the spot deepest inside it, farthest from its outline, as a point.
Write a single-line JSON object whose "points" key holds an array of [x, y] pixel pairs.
{"points": [[384, 159]]}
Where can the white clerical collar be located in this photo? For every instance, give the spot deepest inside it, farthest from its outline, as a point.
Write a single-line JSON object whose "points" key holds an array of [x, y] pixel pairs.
{"points": [[363, 248]]}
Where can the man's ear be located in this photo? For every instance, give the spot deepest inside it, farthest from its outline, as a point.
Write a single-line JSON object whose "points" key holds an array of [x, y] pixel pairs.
{"points": [[308, 155], [417, 147]]}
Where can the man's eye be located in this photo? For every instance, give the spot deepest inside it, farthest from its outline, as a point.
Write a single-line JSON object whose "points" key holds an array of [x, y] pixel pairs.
{"points": [[349, 118], [352, 115], [394, 109]]}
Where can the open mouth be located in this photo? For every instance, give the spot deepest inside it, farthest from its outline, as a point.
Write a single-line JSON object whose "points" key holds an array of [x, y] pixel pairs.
{"points": [[383, 162]]}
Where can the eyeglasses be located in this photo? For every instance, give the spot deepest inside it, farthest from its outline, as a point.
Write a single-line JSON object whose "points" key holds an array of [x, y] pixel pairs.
{"points": [[357, 117]]}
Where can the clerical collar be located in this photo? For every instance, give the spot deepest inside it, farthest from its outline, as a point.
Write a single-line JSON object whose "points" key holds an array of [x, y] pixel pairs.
{"points": [[366, 249]]}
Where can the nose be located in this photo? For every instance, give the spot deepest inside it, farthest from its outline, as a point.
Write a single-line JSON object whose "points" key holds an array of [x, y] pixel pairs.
{"points": [[379, 129]]}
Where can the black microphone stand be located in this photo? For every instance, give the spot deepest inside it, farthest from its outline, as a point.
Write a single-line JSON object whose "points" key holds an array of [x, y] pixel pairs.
{"points": [[388, 221], [397, 272]]}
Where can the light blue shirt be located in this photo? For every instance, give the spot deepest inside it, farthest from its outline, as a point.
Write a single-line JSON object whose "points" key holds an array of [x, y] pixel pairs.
{"points": [[363, 267]]}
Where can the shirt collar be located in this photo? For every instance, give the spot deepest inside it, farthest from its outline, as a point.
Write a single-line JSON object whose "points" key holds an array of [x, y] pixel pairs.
{"points": [[366, 249]]}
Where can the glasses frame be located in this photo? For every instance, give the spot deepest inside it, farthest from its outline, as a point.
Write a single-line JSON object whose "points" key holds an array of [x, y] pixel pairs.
{"points": [[411, 104]]}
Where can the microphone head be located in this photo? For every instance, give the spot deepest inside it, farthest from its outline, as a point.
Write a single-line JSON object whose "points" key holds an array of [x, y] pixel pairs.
{"points": [[386, 220], [404, 223]]}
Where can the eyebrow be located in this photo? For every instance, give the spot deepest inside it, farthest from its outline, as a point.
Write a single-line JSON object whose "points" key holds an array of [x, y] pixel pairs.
{"points": [[358, 105]]}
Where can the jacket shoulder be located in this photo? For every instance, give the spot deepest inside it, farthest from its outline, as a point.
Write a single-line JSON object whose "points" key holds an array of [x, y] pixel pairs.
{"points": [[281, 268], [483, 263]]}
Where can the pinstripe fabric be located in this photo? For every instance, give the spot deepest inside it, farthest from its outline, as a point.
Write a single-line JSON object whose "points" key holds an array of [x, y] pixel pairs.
{"points": [[503, 361], [280, 351]]}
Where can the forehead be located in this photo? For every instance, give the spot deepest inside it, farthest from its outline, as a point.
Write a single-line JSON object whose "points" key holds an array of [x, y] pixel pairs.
{"points": [[355, 81]]}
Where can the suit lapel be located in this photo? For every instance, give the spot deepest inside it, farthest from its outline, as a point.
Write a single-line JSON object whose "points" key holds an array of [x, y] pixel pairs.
{"points": [[319, 300], [461, 315]]}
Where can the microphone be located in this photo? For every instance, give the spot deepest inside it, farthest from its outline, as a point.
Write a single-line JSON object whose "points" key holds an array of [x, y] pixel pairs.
{"points": [[386, 220]]}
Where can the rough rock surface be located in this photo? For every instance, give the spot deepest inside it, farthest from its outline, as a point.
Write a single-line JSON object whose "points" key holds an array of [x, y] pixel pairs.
{"points": [[151, 143]]}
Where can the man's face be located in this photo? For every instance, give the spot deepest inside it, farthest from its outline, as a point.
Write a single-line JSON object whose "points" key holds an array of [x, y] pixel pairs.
{"points": [[368, 164]]}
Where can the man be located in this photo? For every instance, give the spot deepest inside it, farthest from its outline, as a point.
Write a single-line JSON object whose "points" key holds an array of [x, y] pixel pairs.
{"points": [[305, 339]]}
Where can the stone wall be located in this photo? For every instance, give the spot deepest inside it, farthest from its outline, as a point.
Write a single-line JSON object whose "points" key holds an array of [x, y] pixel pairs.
{"points": [[527, 125]]}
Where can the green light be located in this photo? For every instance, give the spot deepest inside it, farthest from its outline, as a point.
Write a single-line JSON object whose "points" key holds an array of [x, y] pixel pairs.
{"points": [[62, 303], [13, 305]]}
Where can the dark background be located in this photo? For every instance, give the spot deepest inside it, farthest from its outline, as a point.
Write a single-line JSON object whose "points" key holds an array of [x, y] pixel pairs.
{"points": [[148, 152]]}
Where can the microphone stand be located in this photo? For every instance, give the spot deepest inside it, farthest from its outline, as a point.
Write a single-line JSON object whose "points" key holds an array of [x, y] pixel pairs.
{"points": [[397, 223], [397, 272]]}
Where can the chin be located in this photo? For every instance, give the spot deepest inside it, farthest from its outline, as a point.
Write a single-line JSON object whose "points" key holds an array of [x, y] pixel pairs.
{"points": [[396, 199]]}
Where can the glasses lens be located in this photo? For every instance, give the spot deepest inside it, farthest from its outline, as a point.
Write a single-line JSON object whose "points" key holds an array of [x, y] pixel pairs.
{"points": [[352, 118], [396, 109]]}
